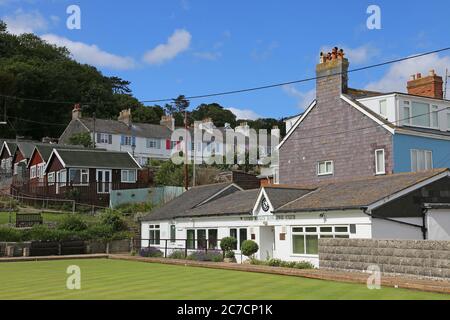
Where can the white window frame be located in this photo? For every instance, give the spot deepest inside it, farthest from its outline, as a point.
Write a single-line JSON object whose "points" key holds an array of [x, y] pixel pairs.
{"points": [[153, 144], [425, 153], [63, 178], [433, 109], [448, 119], [327, 173], [103, 138], [127, 140], [127, 171], [33, 172], [319, 234], [377, 165], [83, 172], [51, 178], [154, 229]]}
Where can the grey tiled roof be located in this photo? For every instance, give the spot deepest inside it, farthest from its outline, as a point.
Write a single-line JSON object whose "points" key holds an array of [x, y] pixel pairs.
{"points": [[355, 194], [279, 196], [145, 130], [186, 201], [26, 148], [45, 150], [97, 159]]}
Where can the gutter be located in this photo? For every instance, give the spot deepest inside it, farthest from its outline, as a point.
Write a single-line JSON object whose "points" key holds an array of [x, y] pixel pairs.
{"points": [[422, 227]]}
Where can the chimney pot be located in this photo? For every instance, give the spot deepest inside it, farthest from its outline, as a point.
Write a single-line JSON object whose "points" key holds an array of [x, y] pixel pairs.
{"points": [[419, 76], [430, 86], [76, 112]]}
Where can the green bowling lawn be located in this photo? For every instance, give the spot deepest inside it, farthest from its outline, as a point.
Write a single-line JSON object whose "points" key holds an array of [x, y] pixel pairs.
{"points": [[115, 279]]}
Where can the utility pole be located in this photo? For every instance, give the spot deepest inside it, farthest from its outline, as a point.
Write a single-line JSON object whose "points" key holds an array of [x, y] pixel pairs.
{"points": [[186, 166], [93, 117], [445, 85]]}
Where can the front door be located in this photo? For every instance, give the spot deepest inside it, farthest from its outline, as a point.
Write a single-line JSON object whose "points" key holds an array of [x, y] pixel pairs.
{"points": [[267, 242], [104, 179]]}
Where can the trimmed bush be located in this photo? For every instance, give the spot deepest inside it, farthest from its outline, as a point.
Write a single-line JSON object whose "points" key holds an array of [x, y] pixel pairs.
{"points": [[282, 264], [151, 252], [98, 232], [249, 248], [230, 255], [213, 255], [228, 244]]}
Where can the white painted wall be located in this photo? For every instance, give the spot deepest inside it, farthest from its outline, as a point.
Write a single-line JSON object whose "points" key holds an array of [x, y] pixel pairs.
{"points": [[374, 105], [282, 249], [438, 224], [388, 230]]}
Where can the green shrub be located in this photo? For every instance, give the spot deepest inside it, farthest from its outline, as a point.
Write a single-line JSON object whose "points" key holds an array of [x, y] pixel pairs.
{"points": [[304, 265], [115, 220], [44, 233], [274, 262], [72, 223], [283, 264], [178, 255], [249, 248], [10, 235], [228, 244], [98, 232], [230, 255]]}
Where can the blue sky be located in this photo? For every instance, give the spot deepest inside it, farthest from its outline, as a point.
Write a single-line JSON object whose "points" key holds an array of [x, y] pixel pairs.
{"points": [[191, 47]]}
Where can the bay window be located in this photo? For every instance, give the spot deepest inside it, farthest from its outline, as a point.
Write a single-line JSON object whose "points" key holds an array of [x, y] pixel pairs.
{"points": [[79, 177], [305, 240]]}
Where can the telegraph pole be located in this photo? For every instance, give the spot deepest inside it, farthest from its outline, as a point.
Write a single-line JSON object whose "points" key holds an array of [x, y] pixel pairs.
{"points": [[445, 85]]}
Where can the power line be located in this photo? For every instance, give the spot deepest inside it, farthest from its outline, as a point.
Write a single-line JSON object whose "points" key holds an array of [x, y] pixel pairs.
{"points": [[37, 122], [242, 90], [302, 80]]}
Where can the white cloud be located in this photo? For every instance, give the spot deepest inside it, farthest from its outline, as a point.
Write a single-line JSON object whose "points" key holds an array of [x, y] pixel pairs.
{"points": [[91, 54], [304, 99], [245, 114], [25, 22], [178, 42], [356, 55], [264, 51], [396, 78]]}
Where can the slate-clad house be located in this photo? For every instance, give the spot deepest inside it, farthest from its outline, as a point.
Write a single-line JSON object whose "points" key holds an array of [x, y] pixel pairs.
{"points": [[348, 132], [288, 220], [90, 175]]}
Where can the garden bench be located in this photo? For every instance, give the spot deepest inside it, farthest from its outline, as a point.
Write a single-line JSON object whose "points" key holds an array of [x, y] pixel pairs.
{"points": [[28, 220]]}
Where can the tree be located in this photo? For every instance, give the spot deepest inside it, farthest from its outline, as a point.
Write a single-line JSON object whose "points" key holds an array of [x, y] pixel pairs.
{"points": [[218, 114], [181, 104], [81, 139], [170, 174], [249, 248]]}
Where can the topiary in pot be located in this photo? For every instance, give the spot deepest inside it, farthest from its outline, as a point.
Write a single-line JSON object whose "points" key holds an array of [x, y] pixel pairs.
{"points": [[249, 248], [228, 245]]}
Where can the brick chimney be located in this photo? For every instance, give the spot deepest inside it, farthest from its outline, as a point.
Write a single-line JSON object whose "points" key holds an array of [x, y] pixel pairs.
{"points": [[332, 75], [430, 86], [76, 112], [168, 121], [125, 117]]}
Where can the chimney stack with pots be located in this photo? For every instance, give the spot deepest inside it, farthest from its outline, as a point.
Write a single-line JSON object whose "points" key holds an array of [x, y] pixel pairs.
{"points": [[125, 117], [76, 112], [168, 121], [331, 72], [430, 86]]}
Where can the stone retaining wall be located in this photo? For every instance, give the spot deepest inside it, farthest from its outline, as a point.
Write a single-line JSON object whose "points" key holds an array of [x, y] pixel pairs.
{"points": [[410, 257]]}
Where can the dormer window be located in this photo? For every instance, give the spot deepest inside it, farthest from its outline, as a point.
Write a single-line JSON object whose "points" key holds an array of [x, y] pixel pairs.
{"points": [[419, 114]]}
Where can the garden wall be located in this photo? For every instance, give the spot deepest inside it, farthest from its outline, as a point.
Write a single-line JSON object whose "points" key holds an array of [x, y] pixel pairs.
{"points": [[410, 257]]}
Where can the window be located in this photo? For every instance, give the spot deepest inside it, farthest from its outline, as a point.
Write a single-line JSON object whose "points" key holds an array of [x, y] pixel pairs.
{"points": [[104, 138], [305, 240], [33, 172], [434, 116], [173, 233], [405, 113], [62, 178], [448, 119], [233, 234], [40, 171], [128, 176], [173, 144], [383, 108], [421, 160], [153, 144], [212, 239], [154, 234], [190, 243], [201, 239], [126, 140], [242, 237], [325, 168], [380, 164], [51, 178], [420, 114], [79, 177]]}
